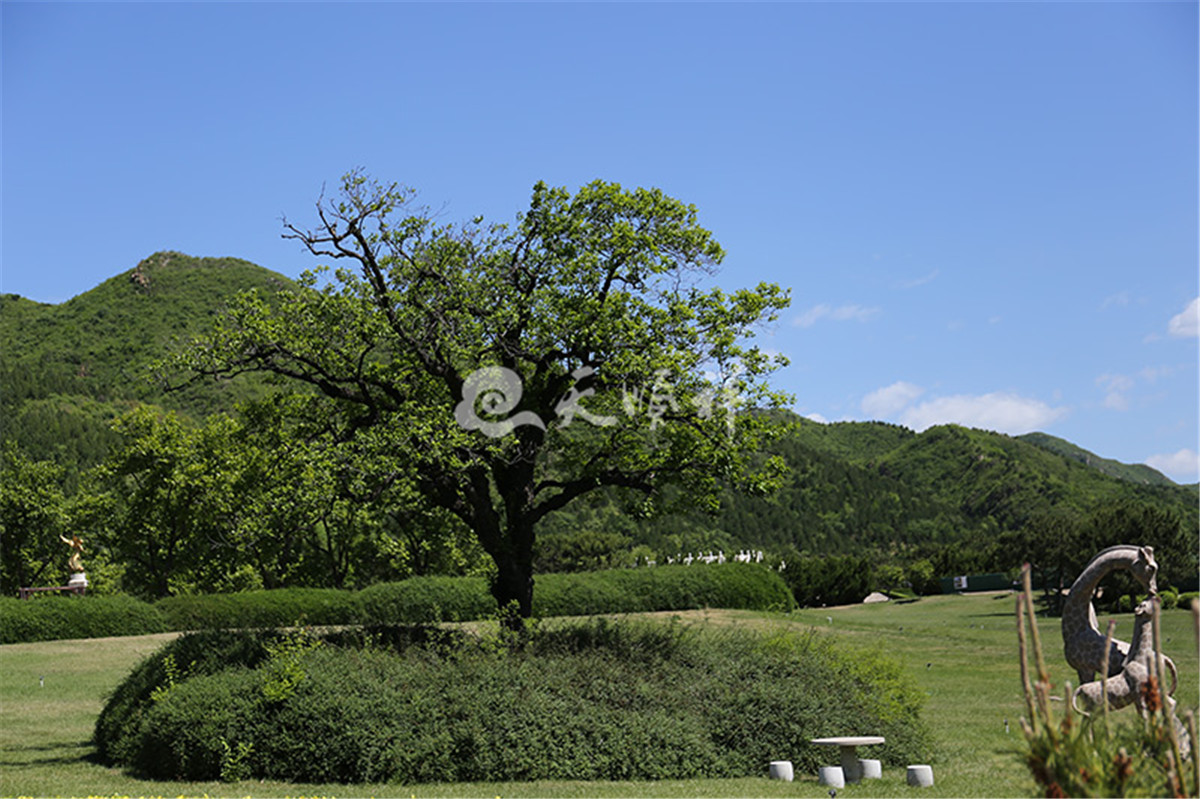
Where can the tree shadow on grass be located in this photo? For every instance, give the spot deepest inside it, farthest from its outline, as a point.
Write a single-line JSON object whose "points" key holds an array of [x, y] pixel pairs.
{"points": [[56, 754]]}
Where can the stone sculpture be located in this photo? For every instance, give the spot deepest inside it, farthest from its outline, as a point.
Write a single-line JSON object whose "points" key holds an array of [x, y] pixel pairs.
{"points": [[1083, 643], [1128, 686], [1132, 683]]}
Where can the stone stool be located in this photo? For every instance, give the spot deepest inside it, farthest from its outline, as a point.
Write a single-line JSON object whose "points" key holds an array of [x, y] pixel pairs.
{"points": [[832, 776], [870, 769], [920, 776], [781, 770]]}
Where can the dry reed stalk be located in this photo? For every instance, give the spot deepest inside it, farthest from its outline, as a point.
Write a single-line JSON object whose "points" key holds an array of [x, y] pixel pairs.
{"points": [[1042, 686], [1168, 704], [1108, 637], [1033, 628], [1191, 727], [1021, 648]]}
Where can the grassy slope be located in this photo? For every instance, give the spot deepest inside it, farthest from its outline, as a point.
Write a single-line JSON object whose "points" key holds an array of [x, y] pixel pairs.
{"points": [[971, 681]]}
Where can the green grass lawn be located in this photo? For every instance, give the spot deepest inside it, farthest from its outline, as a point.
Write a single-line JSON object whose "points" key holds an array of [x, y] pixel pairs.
{"points": [[960, 650]]}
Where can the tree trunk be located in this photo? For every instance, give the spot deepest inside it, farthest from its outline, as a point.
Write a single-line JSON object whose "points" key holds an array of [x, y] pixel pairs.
{"points": [[514, 584]]}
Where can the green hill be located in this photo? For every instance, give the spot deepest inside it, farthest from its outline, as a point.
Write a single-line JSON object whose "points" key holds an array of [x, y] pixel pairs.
{"points": [[856, 487], [1132, 472], [66, 370]]}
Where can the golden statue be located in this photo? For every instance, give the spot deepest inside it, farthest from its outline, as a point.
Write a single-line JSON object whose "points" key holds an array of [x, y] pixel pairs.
{"points": [[76, 560]]}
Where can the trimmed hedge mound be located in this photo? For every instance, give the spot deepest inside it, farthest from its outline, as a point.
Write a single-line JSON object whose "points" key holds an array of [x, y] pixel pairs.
{"points": [[676, 587], [280, 607], [49, 618], [588, 701], [419, 600], [425, 600]]}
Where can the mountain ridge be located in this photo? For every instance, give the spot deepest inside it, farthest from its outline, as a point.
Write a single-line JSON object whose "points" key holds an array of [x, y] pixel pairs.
{"points": [[1133, 472], [67, 369]]}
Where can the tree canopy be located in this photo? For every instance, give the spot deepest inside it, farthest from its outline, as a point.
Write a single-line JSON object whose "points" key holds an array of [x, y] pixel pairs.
{"points": [[501, 372]]}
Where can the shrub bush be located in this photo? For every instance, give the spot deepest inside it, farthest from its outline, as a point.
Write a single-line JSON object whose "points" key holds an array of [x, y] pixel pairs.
{"points": [[1186, 599], [50, 617], [280, 607], [677, 587], [209, 652], [191, 655], [423, 600], [590, 701]]}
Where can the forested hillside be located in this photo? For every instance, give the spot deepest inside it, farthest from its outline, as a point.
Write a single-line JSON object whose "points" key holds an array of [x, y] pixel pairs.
{"points": [[67, 370], [965, 500], [190, 494], [1133, 472]]}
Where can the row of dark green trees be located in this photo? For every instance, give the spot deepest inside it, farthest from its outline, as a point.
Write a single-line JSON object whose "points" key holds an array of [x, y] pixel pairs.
{"points": [[241, 502]]}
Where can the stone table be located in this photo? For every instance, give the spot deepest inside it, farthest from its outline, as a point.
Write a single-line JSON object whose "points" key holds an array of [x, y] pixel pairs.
{"points": [[847, 746]]}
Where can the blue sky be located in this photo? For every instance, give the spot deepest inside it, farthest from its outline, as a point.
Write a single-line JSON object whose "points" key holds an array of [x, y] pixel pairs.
{"points": [[987, 213]]}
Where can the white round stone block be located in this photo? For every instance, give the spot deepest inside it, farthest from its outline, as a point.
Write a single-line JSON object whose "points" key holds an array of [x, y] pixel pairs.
{"points": [[832, 776], [870, 769], [781, 770], [920, 776]]}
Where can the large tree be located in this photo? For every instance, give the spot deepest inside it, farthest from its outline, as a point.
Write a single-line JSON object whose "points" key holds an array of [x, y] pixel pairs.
{"points": [[504, 371]]}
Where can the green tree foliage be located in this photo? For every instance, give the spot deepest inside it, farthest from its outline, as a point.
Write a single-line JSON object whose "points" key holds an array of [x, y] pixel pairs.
{"points": [[590, 295], [832, 580], [1131, 472], [162, 500], [31, 519], [254, 501]]}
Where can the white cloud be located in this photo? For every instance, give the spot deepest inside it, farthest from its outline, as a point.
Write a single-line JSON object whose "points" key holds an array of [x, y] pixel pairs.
{"points": [[1152, 373], [843, 313], [1186, 324], [1002, 412], [890, 399], [1182, 466], [1115, 388], [1119, 300], [816, 417], [1116, 401], [920, 281]]}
